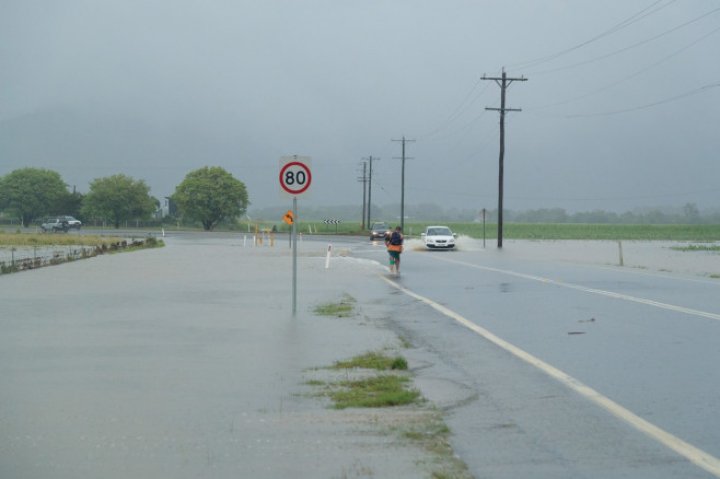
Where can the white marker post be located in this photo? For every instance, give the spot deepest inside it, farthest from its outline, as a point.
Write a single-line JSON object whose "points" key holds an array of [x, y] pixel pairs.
{"points": [[295, 180], [327, 258]]}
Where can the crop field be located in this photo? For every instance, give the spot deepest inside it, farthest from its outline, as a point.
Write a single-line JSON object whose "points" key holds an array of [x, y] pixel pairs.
{"points": [[572, 231], [544, 231]]}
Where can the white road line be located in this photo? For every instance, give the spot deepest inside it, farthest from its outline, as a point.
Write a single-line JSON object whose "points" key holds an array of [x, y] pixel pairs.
{"points": [[691, 453], [610, 294]]}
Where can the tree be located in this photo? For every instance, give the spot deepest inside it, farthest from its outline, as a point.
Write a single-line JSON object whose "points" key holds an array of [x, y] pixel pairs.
{"points": [[118, 198], [31, 193], [211, 195]]}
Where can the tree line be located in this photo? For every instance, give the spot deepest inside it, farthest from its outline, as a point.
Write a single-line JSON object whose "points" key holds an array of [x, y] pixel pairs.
{"points": [[686, 214], [209, 196]]}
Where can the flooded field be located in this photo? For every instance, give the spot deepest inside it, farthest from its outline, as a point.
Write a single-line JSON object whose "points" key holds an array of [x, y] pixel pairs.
{"points": [[659, 256]]}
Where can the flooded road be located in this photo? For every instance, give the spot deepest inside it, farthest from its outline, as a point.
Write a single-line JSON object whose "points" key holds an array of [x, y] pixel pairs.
{"points": [[186, 361], [643, 337]]}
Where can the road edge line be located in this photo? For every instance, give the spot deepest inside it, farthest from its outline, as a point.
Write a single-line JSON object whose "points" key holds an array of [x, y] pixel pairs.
{"points": [[693, 454]]}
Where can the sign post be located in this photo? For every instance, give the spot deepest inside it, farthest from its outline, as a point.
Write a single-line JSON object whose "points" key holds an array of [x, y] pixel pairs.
{"points": [[295, 179]]}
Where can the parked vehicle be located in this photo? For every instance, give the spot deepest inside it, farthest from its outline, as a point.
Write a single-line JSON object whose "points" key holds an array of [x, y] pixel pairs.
{"points": [[379, 230], [55, 224], [72, 221], [438, 237]]}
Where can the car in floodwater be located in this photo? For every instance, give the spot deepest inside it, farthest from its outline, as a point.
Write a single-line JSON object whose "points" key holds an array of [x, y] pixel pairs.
{"points": [[379, 230], [438, 237]]}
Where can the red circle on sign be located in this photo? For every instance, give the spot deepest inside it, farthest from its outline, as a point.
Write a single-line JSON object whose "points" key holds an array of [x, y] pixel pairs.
{"points": [[306, 184]]}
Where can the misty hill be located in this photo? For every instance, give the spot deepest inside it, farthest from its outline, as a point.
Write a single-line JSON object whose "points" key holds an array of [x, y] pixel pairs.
{"points": [[83, 145]]}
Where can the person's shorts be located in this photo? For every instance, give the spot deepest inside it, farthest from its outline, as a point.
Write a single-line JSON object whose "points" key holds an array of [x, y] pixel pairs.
{"points": [[394, 254]]}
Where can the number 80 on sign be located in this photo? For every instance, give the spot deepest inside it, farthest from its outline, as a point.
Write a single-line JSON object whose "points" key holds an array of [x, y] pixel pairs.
{"points": [[295, 175]]}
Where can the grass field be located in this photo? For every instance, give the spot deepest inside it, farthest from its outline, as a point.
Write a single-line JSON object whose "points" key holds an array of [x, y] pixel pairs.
{"points": [[538, 231], [546, 231], [48, 239]]}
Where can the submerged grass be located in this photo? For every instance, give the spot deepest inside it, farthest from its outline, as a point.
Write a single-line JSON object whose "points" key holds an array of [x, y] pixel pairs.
{"points": [[385, 390], [342, 309], [373, 360], [420, 425], [382, 390], [430, 432]]}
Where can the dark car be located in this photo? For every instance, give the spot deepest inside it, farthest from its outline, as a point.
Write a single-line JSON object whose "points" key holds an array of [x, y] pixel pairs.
{"points": [[379, 230]]}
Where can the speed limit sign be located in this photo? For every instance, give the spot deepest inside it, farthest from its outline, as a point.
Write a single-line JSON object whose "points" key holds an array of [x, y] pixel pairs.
{"points": [[295, 175]]}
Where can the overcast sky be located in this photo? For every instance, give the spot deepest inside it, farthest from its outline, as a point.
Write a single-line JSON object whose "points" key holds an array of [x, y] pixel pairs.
{"points": [[621, 108]]}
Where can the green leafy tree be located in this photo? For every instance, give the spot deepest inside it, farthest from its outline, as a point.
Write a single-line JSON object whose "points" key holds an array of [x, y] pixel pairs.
{"points": [[118, 198], [211, 195], [30, 193]]}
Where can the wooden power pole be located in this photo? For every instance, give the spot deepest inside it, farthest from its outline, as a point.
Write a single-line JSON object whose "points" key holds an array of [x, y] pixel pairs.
{"points": [[402, 182], [503, 82]]}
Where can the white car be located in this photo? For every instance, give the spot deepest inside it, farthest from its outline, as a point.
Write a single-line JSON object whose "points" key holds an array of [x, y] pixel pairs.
{"points": [[72, 221], [438, 237]]}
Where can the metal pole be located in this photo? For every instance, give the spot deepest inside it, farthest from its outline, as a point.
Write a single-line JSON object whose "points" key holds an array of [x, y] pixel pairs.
{"points": [[294, 240]]}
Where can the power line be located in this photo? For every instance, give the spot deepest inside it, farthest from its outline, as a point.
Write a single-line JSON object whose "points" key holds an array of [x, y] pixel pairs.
{"points": [[628, 77], [615, 28], [464, 105], [649, 105], [630, 47]]}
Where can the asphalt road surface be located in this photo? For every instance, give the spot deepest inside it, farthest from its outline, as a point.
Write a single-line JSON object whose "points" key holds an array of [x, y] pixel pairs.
{"points": [[604, 371]]}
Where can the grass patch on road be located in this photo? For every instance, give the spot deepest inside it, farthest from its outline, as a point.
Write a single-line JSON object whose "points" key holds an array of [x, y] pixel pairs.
{"points": [[341, 309], [380, 390], [374, 360], [385, 390], [375, 380]]}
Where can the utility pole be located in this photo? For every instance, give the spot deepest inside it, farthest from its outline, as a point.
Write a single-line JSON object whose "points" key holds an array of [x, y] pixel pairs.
{"points": [[503, 82], [363, 180], [402, 182], [369, 203]]}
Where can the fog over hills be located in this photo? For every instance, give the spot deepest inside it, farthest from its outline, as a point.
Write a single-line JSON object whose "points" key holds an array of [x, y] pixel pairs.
{"points": [[620, 110]]}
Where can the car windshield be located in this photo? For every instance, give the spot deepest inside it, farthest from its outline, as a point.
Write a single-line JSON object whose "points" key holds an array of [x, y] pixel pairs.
{"points": [[380, 227], [439, 232]]}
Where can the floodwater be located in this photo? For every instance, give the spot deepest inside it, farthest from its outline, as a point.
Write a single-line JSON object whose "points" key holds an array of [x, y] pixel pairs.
{"points": [[186, 362], [656, 256]]}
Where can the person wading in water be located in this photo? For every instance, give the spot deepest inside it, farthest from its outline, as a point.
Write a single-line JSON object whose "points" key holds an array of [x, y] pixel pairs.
{"points": [[394, 244]]}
